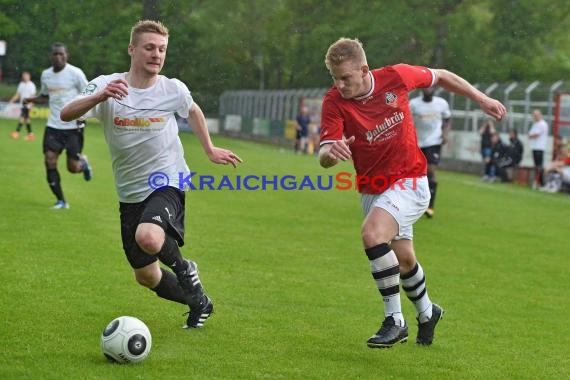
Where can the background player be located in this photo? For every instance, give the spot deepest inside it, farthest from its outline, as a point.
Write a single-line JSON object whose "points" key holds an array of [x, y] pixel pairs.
{"points": [[61, 83], [26, 89], [366, 117], [432, 119], [152, 221]]}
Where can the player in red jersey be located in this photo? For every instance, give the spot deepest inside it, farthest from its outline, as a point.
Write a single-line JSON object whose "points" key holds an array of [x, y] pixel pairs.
{"points": [[366, 117]]}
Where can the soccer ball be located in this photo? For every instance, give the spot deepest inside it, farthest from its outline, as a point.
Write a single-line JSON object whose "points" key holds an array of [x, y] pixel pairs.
{"points": [[126, 340]]}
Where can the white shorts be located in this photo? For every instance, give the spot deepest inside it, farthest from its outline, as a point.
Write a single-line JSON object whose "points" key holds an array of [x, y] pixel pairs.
{"points": [[406, 203]]}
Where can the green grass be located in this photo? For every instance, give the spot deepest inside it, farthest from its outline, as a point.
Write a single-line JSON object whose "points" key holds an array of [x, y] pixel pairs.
{"points": [[7, 91], [291, 284]]}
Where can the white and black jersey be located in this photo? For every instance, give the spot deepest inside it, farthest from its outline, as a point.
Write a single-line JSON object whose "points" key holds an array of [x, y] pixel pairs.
{"points": [[428, 119]]}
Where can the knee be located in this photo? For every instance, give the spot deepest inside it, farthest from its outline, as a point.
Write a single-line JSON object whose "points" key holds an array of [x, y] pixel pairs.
{"points": [[74, 166], [407, 263], [150, 238], [50, 162], [148, 277], [371, 237]]}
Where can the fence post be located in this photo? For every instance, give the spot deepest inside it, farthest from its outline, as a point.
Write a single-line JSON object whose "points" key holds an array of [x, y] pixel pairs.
{"points": [[527, 92], [553, 88]]}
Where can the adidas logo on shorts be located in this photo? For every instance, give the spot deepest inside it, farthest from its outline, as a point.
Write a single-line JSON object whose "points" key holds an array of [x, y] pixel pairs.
{"points": [[157, 218]]}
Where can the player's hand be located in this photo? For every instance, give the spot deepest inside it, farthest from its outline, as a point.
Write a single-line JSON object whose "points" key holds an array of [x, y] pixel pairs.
{"points": [[493, 108], [117, 89], [224, 156], [27, 100], [340, 149]]}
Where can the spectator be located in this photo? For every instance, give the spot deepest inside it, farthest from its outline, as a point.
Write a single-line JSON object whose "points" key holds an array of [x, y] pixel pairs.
{"points": [[303, 121], [538, 136], [500, 159], [26, 89], [516, 148], [486, 131], [557, 174]]}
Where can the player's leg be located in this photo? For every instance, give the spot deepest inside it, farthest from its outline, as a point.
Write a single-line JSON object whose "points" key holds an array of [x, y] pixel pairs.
{"points": [[16, 133], [432, 155], [146, 269], [26, 120], [378, 229], [160, 232], [413, 282], [52, 147], [76, 161], [297, 141]]}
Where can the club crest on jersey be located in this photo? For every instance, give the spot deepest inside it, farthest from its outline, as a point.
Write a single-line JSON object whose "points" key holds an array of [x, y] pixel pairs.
{"points": [[391, 98]]}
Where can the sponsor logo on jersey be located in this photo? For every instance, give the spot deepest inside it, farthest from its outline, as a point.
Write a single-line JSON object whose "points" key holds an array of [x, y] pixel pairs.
{"points": [[389, 122], [391, 98], [90, 89], [136, 122]]}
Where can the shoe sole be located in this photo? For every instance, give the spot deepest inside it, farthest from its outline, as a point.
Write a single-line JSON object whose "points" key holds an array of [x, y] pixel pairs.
{"points": [[436, 322], [380, 345]]}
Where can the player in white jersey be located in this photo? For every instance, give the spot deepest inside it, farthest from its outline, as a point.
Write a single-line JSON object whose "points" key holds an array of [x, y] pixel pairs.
{"points": [[59, 84], [432, 119], [138, 110], [26, 89]]}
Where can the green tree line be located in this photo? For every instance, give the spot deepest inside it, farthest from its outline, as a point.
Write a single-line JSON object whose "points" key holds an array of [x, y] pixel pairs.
{"points": [[219, 45]]}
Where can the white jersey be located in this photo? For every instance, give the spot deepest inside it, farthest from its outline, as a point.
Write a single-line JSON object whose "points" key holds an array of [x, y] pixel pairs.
{"points": [[142, 133], [541, 128], [62, 87], [26, 90], [428, 119]]}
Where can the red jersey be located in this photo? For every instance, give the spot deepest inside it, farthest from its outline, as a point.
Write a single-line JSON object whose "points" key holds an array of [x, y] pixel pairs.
{"points": [[381, 121]]}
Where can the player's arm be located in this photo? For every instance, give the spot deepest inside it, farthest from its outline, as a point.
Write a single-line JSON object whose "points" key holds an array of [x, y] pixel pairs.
{"points": [[73, 110], [454, 83], [197, 122], [40, 99], [330, 154], [15, 98]]}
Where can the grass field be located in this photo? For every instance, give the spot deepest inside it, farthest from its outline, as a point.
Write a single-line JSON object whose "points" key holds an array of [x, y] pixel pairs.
{"points": [[293, 293]]}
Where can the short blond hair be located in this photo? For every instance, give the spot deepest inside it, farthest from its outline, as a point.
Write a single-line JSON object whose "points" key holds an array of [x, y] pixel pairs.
{"points": [[343, 50], [147, 26]]}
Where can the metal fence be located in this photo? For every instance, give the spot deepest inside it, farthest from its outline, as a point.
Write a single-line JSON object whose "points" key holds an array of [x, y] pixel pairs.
{"points": [[519, 98]]}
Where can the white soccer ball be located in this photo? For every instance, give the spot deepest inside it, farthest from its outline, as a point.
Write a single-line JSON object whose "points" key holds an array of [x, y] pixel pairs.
{"points": [[126, 340]]}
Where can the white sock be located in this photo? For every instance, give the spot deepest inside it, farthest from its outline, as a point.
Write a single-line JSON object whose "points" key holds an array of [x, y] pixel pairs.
{"points": [[414, 284]]}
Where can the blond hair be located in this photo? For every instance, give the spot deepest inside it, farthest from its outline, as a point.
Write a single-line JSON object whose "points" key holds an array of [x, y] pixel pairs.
{"points": [[147, 26], [345, 50]]}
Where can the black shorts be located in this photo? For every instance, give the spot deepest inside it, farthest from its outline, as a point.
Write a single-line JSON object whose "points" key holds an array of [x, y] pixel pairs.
{"points": [[163, 207], [56, 140], [25, 112], [432, 153]]}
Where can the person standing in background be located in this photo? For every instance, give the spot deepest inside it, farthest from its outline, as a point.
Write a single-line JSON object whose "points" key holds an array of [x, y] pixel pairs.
{"points": [[538, 136]]}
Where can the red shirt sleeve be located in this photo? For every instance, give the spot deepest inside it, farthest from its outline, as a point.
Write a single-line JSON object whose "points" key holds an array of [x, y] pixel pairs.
{"points": [[415, 76], [332, 123]]}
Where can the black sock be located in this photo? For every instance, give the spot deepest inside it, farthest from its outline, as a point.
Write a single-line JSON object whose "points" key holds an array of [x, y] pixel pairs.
{"points": [[54, 183], [432, 190], [19, 127], [170, 256], [29, 127], [169, 289]]}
